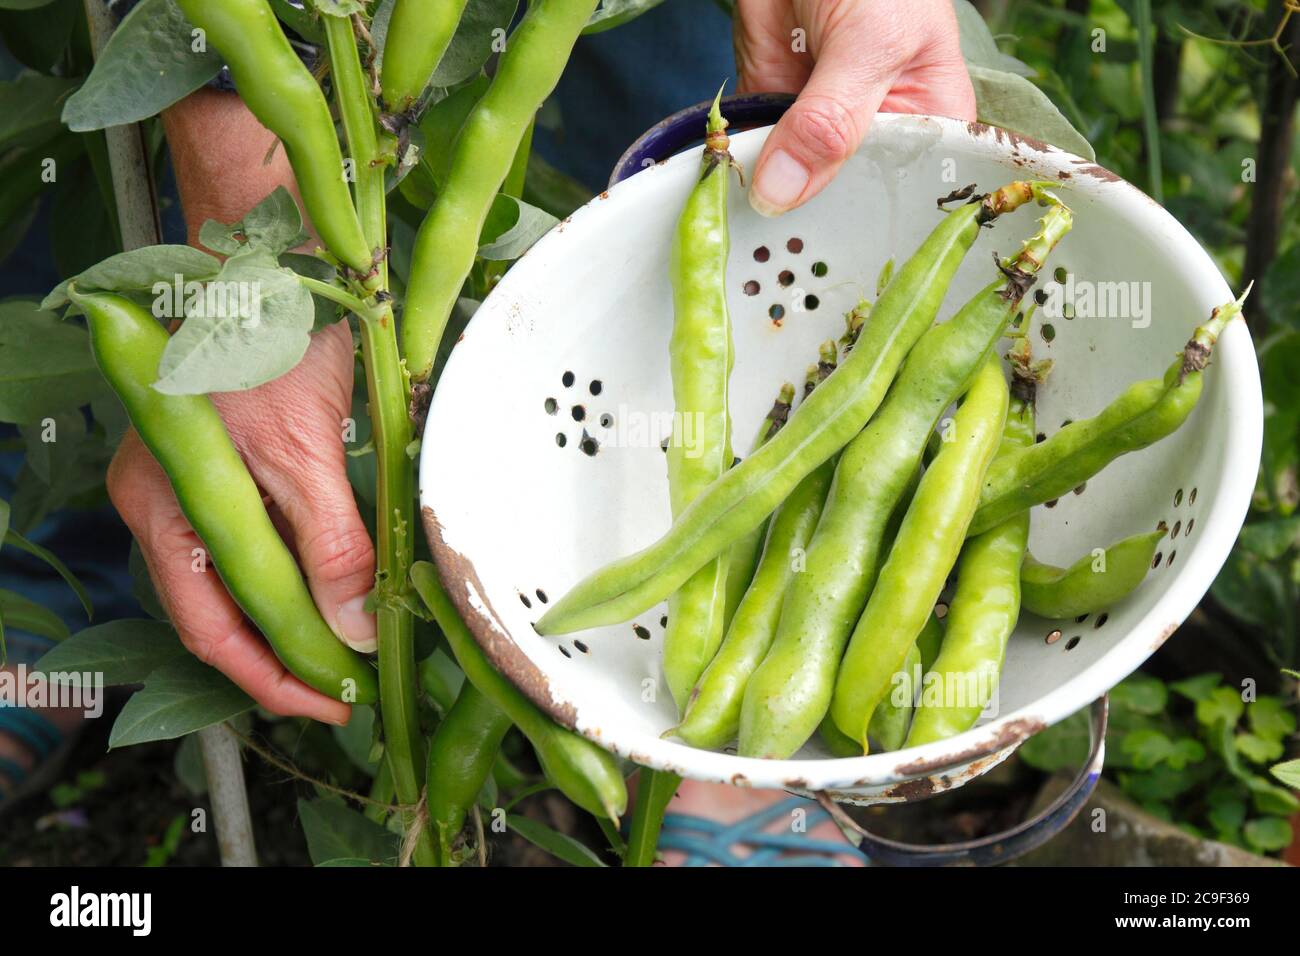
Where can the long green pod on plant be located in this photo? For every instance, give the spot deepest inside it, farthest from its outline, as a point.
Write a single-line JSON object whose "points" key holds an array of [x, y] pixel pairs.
{"points": [[482, 156], [1093, 583], [419, 33], [220, 500], [586, 774], [830, 418], [281, 92], [1141, 415], [462, 753]]}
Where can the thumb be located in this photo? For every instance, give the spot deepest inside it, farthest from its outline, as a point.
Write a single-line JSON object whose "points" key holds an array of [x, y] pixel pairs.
{"points": [[820, 131]]}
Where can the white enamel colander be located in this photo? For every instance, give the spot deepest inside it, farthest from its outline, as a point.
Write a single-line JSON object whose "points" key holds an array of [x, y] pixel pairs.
{"points": [[542, 458]]}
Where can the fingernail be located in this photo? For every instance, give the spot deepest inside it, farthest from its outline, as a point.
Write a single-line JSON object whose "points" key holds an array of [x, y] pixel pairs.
{"points": [[357, 627], [779, 184]]}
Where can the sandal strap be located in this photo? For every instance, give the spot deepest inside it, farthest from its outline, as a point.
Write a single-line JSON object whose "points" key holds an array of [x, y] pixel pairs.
{"points": [[707, 841]]}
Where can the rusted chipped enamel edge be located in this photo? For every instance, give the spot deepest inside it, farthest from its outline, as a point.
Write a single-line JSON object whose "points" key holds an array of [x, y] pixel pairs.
{"points": [[933, 768]]}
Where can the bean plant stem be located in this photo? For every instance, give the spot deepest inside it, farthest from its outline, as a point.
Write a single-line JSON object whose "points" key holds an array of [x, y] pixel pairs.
{"points": [[1150, 117], [391, 428], [654, 789]]}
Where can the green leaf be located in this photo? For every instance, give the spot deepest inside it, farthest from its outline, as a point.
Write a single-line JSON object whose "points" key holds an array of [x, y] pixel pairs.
{"points": [[483, 24], [1141, 694], [1288, 773], [1058, 747], [523, 225], [1187, 750], [357, 737], [1279, 290], [1146, 748], [1268, 834], [140, 270], [1012, 102], [38, 37], [1198, 687], [23, 613], [1221, 705], [1227, 816], [64, 462], [180, 697], [16, 540], [148, 64], [559, 845], [45, 365], [252, 324], [1159, 784], [977, 44], [126, 651], [29, 108], [1258, 750], [615, 13], [188, 765], [336, 832], [1270, 718], [274, 225], [327, 312]]}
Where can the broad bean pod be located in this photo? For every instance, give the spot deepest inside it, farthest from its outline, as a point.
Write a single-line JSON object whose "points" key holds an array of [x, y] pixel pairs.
{"points": [[1092, 583]]}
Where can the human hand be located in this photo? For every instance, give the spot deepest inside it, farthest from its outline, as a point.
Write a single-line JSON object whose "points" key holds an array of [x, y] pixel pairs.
{"points": [[287, 431], [858, 57]]}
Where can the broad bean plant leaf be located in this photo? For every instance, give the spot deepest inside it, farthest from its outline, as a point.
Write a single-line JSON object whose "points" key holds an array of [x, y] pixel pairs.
{"points": [[180, 697], [29, 108], [250, 324], [615, 13], [1012, 102], [17, 611], [127, 651], [557, 844], [45, 364], [274, 225], [978, 46], [335, 832], [481, 32], [140, 270], [516, 226], [147, 65], [16, 540]]}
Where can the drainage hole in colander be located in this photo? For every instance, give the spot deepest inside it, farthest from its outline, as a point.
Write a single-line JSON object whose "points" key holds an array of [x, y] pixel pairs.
{"points": [[1155, 562], [541, 595], [1047, 331], [1053, 637], [1081, 489], [1068, 421], [1178, 497], [560, 439], [589, 445], [1102, 618], [641, 632], [1178, 526], [1039, 437], [551, 406], [776, 313], [1051, 504], [663, 621], [1172, 555], [785, 278], [810, 302], [567, 379], [581, 647], [819, 269], [565, 651], [1191, 499], [1080, 619], [1040, 296], [1072, 643], [762, 254], [523, 598], [1067, 310], [1060, 275], [606, 420], [752, 287], [794, 244], [578, 413], [595, 386], [663, 445], [1191, 522]]}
